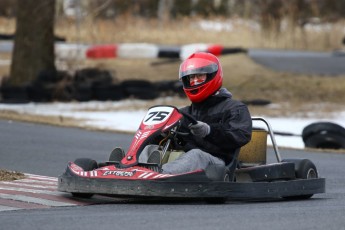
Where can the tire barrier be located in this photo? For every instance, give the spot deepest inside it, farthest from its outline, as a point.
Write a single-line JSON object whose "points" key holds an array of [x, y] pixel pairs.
{"points": [[92, 84], [139, 89], [14, 94], [144, 50], [71, 51], [257, 102], [170, 88], [86, 84], [112, 92], [51, 85], [326, 135]]}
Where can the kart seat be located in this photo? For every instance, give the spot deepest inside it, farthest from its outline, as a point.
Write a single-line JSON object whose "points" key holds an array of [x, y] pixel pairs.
{"points": [[251, 154], [254, 152]]}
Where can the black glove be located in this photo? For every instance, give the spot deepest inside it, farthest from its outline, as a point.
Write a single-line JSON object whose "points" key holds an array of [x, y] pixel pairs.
{"points": [[200, 129]]}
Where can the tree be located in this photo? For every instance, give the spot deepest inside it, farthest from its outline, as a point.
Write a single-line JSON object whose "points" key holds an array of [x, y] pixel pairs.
{"points": [[34, 41]]}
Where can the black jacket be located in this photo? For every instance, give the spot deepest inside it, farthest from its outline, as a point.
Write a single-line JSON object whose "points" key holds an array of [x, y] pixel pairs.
{"points": [[230, 123]]}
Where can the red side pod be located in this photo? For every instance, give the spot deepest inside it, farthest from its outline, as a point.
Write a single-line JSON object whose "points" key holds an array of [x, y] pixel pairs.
{"points": [[102, 51]]}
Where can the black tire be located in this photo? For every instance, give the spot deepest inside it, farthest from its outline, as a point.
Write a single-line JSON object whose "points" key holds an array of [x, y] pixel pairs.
{"points": [[51, 85], [257, 102], [87, 165], [41, 93], [90, 77], [109, 92], [325, 140], [83, 93], [116, 155], [86, 79], [178, 89], [169, 52], [165, 87], [304, 169], [140, 89], [322, 127], [14, 94], [49, 77], [64, 92]]}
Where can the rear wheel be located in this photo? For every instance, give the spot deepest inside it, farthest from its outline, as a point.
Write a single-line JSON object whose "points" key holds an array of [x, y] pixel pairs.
{"points": [[87, 165], [304, 169]]}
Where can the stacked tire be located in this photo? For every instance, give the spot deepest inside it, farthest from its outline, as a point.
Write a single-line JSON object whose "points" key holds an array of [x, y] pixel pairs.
{"points": [[86, 85], [170, 88], [324, 135], [95, 84], [50, 86], [14, 94], [139, 89]]}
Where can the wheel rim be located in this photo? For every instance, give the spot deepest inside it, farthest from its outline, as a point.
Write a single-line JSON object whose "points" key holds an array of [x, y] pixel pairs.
{"points": [[311, 174]]}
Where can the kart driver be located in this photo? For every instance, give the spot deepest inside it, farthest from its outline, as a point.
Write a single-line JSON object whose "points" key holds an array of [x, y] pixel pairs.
{"points": [[223, 124]]}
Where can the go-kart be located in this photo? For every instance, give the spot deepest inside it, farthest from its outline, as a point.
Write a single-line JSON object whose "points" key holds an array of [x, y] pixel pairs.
{"points": [[248, 176]]}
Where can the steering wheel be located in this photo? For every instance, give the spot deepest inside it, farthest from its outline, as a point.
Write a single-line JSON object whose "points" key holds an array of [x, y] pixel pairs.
{"points": [[189, 118]]}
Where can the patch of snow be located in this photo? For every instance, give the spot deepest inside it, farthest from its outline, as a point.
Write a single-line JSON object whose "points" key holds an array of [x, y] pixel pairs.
{"points": [[126, 116]]}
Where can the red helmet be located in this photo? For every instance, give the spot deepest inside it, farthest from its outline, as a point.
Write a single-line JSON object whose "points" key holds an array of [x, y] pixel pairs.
{"points": [[201, 63]]}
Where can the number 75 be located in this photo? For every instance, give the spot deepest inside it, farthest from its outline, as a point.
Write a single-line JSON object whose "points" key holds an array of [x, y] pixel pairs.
{"points": [[157, 116]]}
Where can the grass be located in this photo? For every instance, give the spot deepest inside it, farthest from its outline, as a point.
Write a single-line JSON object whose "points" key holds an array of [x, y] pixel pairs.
{"points": [[6, 175]]}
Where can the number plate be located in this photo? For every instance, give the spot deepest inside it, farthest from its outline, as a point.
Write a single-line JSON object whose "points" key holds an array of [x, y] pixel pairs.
{"points": [[157, 115]]}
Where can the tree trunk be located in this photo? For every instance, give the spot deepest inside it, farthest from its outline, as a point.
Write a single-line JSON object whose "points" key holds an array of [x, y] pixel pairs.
{"points": [[164, 11], [34, 40]]}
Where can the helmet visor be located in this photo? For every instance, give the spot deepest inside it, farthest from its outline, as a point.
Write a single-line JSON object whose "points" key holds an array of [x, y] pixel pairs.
{"points": [[190, 82], [209, 69]]}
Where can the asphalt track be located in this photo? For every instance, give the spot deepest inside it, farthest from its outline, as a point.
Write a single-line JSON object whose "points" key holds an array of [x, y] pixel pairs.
{"points": [[302, 62], [45, 150]]}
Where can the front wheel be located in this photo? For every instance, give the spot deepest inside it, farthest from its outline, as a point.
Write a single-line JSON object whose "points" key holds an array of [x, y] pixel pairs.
{"points": [[87, 165]]}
